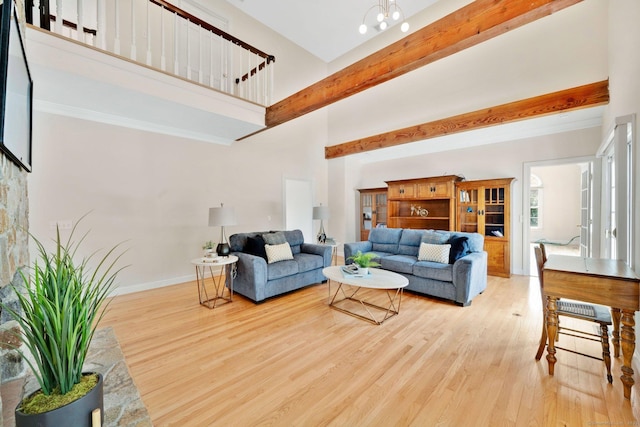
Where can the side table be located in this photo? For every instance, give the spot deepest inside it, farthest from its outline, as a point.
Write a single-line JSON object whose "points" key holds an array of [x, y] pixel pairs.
{"points": [[224, 279], [334, 250]]}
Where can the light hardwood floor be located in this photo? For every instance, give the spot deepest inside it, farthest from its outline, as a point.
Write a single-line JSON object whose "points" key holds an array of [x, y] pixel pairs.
{"points": [[294, 361]]}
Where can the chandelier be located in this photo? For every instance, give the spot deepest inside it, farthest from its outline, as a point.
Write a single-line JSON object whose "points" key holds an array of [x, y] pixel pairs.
{"points": [[387, 12]]}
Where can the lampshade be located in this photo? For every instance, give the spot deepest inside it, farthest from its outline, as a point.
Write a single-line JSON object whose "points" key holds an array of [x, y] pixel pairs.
{"points": [[321, 212], [222, 216]]}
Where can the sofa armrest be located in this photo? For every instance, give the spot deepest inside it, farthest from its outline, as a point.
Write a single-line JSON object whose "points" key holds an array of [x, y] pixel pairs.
{"points": [[470, 276], [323, 250], [351, 249], [251, 277]]}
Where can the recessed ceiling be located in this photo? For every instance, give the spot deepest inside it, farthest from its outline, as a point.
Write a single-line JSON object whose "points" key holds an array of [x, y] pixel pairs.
{"points": [[328, 28]]}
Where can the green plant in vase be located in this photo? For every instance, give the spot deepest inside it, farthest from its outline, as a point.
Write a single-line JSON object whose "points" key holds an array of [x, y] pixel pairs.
{"points": [[62, 305], [364, 261]]}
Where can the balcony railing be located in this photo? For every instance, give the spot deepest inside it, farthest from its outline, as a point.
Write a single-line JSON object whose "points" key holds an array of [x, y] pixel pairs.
{"points": [[163, 36]]}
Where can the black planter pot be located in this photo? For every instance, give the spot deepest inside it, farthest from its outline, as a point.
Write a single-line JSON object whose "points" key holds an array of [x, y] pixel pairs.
{"points": [[77, 413]]}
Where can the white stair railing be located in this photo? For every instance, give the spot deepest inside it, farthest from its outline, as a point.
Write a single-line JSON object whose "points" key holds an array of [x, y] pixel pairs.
{"points": [[156, 33]]}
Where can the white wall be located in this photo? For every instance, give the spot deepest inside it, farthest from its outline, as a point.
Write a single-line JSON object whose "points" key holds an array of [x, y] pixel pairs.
{"points": [[154, 190]]}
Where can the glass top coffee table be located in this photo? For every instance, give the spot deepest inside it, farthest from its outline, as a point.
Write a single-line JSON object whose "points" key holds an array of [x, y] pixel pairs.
{"points": [[349, 286]]}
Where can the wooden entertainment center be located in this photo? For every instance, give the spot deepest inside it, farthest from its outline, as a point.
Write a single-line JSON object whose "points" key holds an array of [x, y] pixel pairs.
{"points": [[446, 203]]}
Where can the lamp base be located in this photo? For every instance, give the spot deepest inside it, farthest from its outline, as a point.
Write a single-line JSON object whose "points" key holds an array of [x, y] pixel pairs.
{"points": [[223, 249]]}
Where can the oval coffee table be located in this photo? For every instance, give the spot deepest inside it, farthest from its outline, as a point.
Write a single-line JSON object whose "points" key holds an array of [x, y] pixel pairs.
{"points": [[376, 279]]}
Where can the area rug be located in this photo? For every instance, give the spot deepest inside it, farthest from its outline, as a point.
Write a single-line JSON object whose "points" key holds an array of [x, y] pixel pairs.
{"points": [[123, 406]]}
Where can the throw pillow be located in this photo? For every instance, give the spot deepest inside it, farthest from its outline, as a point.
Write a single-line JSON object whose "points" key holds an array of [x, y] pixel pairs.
{"points": [[459, 248], [277, 253], [255, 246], [434, 237], [435, 253], [275, 238]]}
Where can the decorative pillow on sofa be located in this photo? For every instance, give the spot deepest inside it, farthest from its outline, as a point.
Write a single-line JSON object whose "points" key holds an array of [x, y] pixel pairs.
{"points": [[459, 248], [435, 253], [275, 238], [255, 246], [435, 237], [277, 253]]}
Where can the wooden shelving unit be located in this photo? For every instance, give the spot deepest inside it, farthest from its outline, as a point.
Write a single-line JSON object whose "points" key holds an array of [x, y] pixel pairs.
{"points": [[423, 203], [484, 207]]}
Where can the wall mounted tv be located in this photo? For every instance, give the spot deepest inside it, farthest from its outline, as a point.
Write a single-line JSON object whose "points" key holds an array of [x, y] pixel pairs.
{"points": [[17, 90]]}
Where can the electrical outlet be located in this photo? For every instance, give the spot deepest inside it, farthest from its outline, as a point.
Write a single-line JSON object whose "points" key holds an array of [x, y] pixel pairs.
{"points": [[65, 224]]}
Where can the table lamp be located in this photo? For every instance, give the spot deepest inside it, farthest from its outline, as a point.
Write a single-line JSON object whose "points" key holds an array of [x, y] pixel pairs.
{"points": [[222, 217], [321, 213]]}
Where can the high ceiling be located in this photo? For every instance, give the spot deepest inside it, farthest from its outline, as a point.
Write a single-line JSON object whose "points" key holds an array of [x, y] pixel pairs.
{"points": [[327, 28]]}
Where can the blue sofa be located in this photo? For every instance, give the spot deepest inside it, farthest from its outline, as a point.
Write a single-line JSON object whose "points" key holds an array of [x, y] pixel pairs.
{"points": [[397, 251], [258, 280]]}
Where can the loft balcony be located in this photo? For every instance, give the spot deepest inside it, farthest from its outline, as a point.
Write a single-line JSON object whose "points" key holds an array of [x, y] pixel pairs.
{"points": [[211, 88]]}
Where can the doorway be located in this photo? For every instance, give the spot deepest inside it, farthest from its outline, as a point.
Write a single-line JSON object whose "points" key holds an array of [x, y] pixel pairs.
{"points": [[558, 208]]}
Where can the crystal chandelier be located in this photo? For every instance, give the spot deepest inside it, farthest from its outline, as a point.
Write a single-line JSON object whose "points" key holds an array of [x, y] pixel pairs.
{"points": [[387, 12]]}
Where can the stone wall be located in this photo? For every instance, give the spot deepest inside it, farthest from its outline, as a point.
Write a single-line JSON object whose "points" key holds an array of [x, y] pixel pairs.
{"points": [[14, 251]]}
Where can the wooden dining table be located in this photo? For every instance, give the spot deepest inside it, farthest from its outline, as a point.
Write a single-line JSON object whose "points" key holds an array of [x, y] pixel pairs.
{"points": [[599, 281]]}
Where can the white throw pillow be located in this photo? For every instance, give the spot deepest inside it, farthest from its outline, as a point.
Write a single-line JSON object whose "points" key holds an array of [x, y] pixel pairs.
{"points": [[435, 253], [277, 253]]}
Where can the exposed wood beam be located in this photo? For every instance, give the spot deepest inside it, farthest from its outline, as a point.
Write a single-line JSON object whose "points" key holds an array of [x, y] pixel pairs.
{"points": [[477, 22], [576, 98]]}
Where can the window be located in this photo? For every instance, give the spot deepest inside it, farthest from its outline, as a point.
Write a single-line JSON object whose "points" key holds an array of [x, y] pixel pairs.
{"points": [[535, 202]]}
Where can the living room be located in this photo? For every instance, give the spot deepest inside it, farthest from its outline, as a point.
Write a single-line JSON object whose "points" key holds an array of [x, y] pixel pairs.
{"points": [[154, 190]]}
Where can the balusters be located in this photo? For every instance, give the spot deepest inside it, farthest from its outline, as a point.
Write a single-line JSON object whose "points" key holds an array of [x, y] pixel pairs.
{"points": [[133, 54], [58, 25], [176, 30], [148, 34], [163, 57], [116, 41], [80, 35], [101, 11]]}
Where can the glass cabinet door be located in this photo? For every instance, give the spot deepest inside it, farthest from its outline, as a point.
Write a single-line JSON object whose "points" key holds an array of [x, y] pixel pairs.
{"points": [[367, 211], [381, 210], [468, 210], [494, 212]]}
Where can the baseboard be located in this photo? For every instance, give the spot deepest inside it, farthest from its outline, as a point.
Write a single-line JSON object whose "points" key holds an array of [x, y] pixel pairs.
{"points": [[152, 285]]}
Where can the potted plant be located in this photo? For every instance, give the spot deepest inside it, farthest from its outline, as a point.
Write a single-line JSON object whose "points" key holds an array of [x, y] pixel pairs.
{"points": [[364, 261], [209, 248], [61, 307]]}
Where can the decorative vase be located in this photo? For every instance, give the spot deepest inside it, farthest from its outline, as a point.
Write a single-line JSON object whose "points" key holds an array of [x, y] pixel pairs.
{"points": [[363, 270], [78, 413]]}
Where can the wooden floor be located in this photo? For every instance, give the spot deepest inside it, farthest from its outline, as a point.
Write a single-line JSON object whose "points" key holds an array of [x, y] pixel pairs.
{"points": [[294, 361]]}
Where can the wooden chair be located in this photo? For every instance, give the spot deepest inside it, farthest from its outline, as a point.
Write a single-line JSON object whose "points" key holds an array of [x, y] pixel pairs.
{"points": [[578, 310]]}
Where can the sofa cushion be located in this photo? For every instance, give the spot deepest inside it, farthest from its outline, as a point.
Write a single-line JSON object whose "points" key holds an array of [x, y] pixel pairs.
{"points": [[433, 270], [308, 262], [295, 239], [398, 263], [435, 237], [282, 269], [459, 248], [435, 253], [385, 239], [410, 242], [274, 238], [255, 246], [277, 253]]}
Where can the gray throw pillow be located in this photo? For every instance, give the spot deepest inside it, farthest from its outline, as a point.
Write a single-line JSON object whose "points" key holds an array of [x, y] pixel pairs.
{"points": [[276, 238]]}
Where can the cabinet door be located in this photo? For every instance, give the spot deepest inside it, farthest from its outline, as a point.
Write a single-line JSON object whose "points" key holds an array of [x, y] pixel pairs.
{"points": [[498, 258], [434, 190], [402, 191], [366, 214], [494, 212], [380, 211], [468, 205]]}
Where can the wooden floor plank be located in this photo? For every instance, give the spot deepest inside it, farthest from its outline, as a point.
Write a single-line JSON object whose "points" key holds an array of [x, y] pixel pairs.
{"points": [[295, 361]]}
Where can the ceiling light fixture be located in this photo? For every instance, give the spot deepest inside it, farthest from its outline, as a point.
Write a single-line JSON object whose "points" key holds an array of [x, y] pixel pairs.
{"points": [[387, 12]]}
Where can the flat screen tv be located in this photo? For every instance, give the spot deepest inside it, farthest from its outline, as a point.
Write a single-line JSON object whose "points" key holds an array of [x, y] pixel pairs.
{"points": [[17, 90]]}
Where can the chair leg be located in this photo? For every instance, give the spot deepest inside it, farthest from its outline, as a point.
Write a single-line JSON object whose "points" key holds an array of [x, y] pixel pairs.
{"points": [[606, 355], [543, 340]]}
